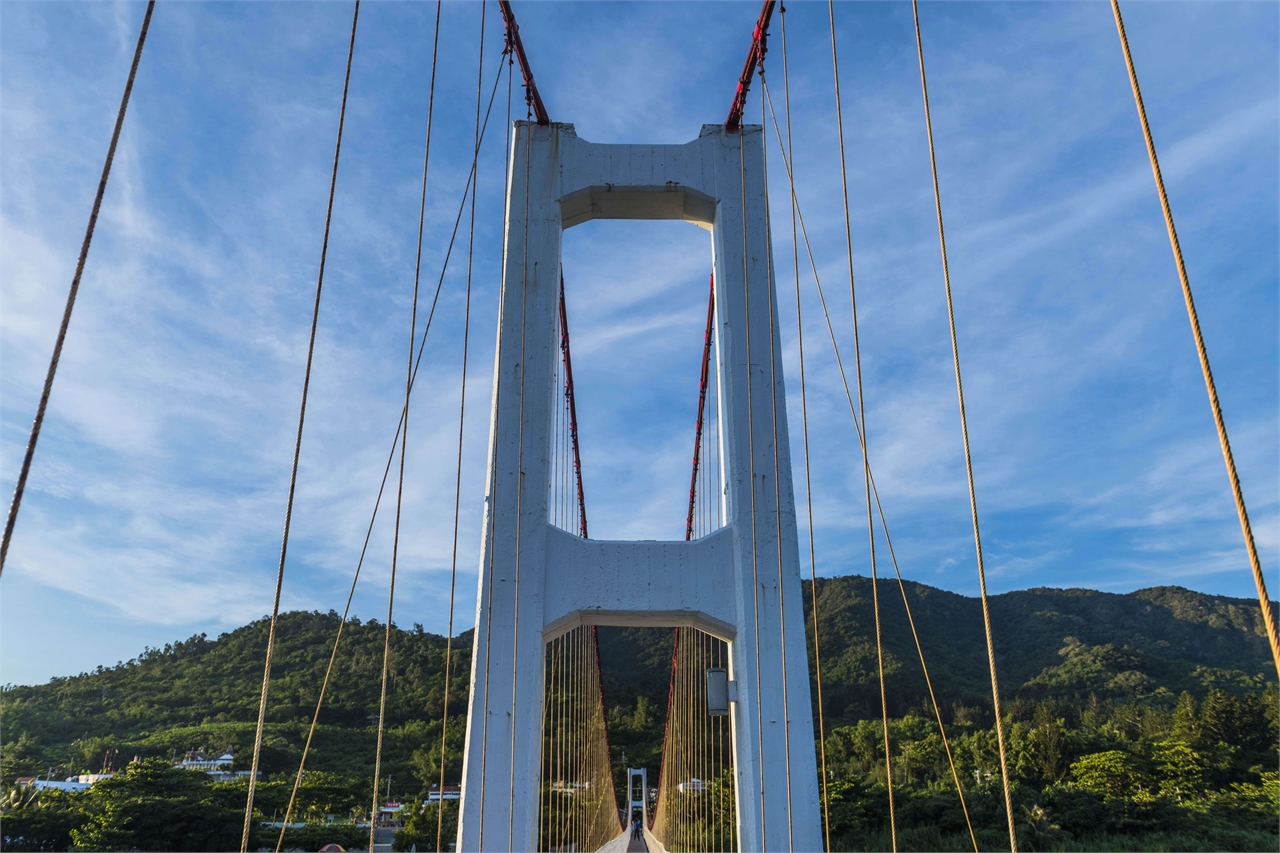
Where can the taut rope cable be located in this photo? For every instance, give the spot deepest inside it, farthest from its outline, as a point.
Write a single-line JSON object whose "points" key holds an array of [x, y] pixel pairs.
{"points": [[788, 155], [524, 322], [702, 405], [462, 417], [573, 413], [751, 466], [777, 489], [964, 434], [404, 443], [1255, 564], [38, 422], [862, 410], [491, 497], [297, 447], [386, 471], [874, 491]]}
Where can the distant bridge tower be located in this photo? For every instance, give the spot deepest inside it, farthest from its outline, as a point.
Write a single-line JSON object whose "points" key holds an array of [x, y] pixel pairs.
{"points": [[740, 583]]}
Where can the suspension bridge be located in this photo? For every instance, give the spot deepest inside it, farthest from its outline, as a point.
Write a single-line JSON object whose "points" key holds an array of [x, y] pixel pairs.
{"points": [[743, 759]]}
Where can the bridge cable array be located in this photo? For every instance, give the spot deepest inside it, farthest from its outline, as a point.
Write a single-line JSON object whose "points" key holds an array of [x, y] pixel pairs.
{"points": [[964, 434], [862, 411], [577, 800], [387, 468], [858, 431], [297, 445], [874, 490], [578, 804], [404, 432], [462, 418], [515, 626], [774, 389], [695, 809], [787, 156]]}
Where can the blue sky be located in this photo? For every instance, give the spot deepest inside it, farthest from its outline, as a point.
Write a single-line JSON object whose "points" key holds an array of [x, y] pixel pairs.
{"points": [[155, 505]]}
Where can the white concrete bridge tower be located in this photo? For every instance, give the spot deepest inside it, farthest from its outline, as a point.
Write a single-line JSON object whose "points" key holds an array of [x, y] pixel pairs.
{"points": [[740, 583]]}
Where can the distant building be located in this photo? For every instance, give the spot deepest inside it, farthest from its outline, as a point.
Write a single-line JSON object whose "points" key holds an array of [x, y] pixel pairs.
{"points": [[71, 783], [219, 768], [90, 778], [196, 760], [451, 792]]}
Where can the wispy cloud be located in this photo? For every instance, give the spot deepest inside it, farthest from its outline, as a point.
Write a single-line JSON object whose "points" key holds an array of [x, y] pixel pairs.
{"points": [[158, 493]]}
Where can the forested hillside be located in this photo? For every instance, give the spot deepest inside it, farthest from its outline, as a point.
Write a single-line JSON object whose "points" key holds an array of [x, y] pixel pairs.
{"points": [[1138, 721]]}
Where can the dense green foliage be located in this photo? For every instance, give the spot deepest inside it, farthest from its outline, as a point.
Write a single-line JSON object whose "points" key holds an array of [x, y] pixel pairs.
{"points": [[151, 805], [1140, 721], [202, 694], [1147, 646]]}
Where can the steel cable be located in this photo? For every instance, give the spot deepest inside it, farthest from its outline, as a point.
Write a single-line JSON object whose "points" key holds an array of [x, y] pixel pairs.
{"points": [[866, 465], [404, 443], [462, 416], [875, 493], [20, 487], [777, 489], [751, 470], [515, 621], [1255, 564], [787, 156], [964, 434], [297, 446], [490, 533], [385, 474]]}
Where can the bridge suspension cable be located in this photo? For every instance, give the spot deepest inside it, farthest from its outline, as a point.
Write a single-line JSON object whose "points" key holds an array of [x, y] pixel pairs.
{"points": [[695, 809], [787, 156], [964, 435], [835, 347], [20, 486], [771, 292], [579, 809], [373, 516], [462, 418], [862, 410], [1251, 547], [404, 441], [698, 437], [297, 446]]}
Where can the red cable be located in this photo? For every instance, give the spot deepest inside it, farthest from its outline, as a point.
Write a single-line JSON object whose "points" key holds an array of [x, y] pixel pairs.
{"points": [[702, 405], [755, 56], [531, 96], [573, 413]]}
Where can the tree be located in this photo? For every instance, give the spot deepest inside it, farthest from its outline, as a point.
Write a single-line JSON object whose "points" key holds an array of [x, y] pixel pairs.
{"points": [[1219, 717], [152, 806], [1111, 774], [1186, 719], [1181, 770]]}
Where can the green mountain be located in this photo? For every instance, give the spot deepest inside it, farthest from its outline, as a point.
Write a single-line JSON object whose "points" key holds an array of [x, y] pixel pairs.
{"points": [[1149, 645]]}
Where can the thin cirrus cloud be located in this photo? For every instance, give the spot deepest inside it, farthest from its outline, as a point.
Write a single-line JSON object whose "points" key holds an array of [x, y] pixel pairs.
{"points": [[155, 507]]}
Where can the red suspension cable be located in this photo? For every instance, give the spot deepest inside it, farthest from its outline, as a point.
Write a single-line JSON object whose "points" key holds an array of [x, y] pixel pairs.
{"points": [[755, 56], [573, 413], [702, 405], [531, 96]]}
